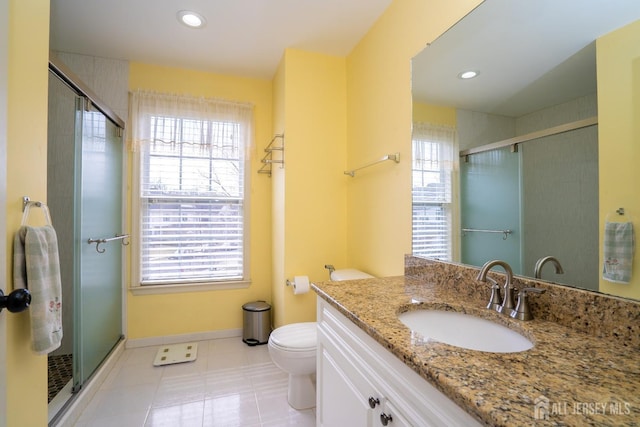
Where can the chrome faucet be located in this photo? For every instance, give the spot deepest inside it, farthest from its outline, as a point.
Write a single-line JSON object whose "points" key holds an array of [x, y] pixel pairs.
{"points": [[505, 306], [495, 301], [522, 311], [537, 271]]}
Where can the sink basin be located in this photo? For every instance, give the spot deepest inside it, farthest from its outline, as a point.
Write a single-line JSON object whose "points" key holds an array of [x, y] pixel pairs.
{"points": [[464, 330]]}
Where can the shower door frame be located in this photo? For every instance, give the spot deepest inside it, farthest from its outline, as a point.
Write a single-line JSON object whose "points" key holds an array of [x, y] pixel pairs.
{"points": [[61, 71], [90, 311]]}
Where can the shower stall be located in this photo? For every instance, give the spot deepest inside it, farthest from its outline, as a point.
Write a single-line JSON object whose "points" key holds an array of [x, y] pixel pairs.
{"points": [[539, 200], [85, 197]]}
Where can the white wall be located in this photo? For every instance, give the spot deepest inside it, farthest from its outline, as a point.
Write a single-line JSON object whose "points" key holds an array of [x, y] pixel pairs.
{"points": [[560, 194], [108, 78]]}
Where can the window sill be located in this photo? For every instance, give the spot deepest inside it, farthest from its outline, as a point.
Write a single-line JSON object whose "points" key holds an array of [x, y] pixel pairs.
{"points": [[188, 287]]}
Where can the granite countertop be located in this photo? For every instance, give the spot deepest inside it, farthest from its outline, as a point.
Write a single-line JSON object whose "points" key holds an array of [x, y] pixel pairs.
{"points": [[581, 379]]}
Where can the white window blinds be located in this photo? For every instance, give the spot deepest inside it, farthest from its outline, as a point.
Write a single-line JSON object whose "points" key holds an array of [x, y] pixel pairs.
{"points": [[433, 160], [191, 188]]}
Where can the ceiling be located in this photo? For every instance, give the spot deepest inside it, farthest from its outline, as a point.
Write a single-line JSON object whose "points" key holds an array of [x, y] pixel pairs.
{"points": [[529, 54], [241, 37]]}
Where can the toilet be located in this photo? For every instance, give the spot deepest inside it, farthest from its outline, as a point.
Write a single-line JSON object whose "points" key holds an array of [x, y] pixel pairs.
{"points": [[293, 349]]}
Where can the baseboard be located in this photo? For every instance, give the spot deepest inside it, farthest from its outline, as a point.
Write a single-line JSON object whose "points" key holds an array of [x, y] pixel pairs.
{"points": [[182, 338]]}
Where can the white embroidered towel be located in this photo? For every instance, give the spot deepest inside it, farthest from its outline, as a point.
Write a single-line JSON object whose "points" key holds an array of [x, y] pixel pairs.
{"points": [[37, 267], [618, 250]]}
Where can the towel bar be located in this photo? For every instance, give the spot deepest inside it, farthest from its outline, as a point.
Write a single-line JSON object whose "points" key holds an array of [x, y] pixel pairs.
{"points": [[395, 157], [504, 232]]}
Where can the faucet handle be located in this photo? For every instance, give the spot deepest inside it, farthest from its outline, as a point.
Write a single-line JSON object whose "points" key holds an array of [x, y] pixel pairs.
{"points": [[522, 311], [496, 298]]}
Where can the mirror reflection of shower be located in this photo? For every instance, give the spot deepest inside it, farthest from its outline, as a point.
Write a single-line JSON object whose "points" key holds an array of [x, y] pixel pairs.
{"points": [[545, 191]]}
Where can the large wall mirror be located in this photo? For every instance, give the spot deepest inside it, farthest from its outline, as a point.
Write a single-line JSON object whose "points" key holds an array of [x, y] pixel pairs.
{"points": [[508, 160]]}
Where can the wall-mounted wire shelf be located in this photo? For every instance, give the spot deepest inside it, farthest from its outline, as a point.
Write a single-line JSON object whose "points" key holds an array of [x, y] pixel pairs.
{"points": [[268, 160]]}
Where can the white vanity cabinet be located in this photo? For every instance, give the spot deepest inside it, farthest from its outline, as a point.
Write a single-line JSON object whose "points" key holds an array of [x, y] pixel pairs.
{"points": [[359, 383]]}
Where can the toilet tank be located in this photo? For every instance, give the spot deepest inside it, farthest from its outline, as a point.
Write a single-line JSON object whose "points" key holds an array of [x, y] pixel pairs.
{"points": [[349, 274]]}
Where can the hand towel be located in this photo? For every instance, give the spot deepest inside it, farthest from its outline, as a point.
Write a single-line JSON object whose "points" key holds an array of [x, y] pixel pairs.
{"points": [[618, 250], [37, 267]]}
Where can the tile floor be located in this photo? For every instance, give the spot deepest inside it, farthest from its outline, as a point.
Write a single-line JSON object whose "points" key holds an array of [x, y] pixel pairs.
{"points": [[230, 384]]}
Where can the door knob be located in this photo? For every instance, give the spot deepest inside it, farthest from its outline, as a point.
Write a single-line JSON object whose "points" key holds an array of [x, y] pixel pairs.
{"points": [[16, 301]]}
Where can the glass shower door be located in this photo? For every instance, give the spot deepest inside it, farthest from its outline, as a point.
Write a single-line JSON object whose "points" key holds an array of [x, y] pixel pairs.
{"points": [[98, 269], [490, 188]]}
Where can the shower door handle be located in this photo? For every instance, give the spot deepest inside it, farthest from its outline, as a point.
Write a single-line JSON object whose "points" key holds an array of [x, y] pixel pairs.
{"points": [[98, 242]]}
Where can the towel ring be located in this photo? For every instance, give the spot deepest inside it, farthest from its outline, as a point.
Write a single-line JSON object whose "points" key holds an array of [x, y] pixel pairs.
{"points": [[619, 213], [26, 208]]}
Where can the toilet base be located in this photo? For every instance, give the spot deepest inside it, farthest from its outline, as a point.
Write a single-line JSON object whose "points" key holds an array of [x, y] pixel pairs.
{"points": [[302, 391]]}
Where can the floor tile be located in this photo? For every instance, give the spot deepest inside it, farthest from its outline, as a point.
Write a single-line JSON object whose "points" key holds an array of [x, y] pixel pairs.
{"points": [[186, 414], [180, 389], [305, 418], [125, 375], [132, 419], [240, 409], [108, 402], [228, 381], [229, 384]]}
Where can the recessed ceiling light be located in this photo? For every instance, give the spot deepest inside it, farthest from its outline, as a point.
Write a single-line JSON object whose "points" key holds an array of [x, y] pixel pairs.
{"points": [[191, 19], [465, 75]]}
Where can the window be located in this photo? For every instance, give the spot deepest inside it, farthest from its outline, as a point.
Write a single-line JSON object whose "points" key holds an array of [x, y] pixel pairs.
{"points": [[191, 222], [433, 160]]}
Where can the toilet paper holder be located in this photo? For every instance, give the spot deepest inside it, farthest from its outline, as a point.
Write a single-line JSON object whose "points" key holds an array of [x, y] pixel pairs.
{"points": [[291, 282], [300, 284]]}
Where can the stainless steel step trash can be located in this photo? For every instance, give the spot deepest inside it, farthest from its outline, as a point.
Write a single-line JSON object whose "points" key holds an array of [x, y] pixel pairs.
{"points": [[256, 323]]}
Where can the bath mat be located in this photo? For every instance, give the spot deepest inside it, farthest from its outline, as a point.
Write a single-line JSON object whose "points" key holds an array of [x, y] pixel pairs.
{"points": [[176, 353]]}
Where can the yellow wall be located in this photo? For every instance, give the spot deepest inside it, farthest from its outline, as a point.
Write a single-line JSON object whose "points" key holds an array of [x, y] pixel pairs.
{"points": [[183, 313], [310, 194], [379, 122], [277, 201], [309, 212], [618, 67], [26, 175], [436, 114]]}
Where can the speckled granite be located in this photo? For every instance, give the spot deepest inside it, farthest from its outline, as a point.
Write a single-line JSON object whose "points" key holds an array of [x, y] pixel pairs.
{"points": [[584, 368], [600, 315]]}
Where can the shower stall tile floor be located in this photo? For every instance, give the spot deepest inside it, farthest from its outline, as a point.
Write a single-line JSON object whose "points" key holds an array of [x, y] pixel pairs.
{"points": [[60, 369], [229, 384]]}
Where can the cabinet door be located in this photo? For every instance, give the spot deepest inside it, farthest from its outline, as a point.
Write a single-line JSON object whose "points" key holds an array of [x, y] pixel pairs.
{"points": [[358, 368], [342, 404]]}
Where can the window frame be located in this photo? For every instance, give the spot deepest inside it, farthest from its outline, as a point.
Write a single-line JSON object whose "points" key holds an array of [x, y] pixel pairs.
{"points": [[137, 200], [422, 134]]}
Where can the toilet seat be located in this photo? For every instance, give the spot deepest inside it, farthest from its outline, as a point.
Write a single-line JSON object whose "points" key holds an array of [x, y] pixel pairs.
{"points": [[296, 337]]}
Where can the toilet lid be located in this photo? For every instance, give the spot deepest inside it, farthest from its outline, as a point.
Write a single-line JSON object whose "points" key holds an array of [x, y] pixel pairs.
{"points": [[296, 336]]}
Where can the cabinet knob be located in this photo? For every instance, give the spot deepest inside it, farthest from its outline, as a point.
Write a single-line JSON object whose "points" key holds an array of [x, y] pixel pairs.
{"points": [[385, 419], [373, 401]]}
